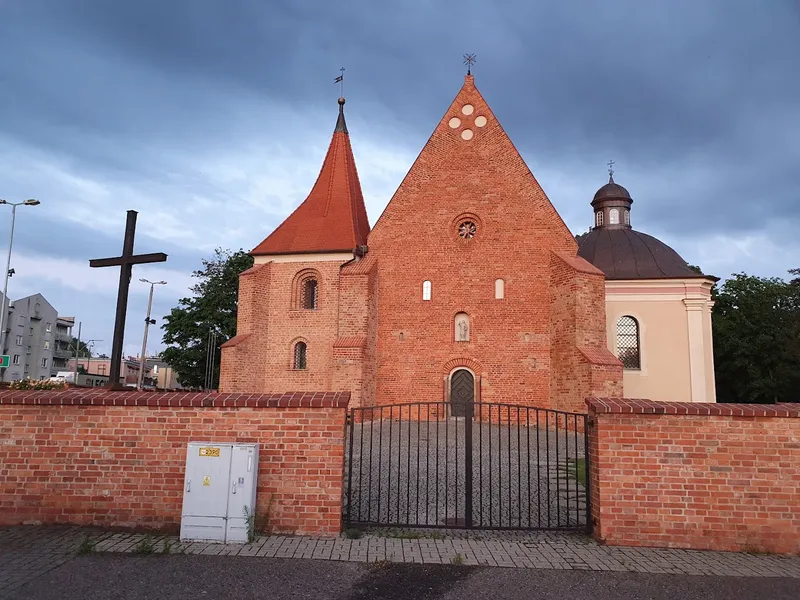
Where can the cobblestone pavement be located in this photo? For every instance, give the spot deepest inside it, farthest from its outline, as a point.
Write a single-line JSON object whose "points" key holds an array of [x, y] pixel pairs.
{"points": [[412, 473], [27, 552]]}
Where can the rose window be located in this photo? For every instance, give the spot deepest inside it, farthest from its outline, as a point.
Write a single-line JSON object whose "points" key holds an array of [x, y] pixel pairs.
{"points": [[467, 230]]}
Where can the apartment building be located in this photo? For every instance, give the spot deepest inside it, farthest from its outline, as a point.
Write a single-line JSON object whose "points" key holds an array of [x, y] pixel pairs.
{"points": [[29, 338]]}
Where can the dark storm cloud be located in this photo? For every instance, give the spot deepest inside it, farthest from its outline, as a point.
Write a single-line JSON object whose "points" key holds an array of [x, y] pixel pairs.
{"points": [[659, 85], [74, 242]]}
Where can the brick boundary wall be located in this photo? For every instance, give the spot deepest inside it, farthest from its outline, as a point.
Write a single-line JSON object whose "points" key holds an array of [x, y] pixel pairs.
{"points": [[95, 457], [691, 475]]}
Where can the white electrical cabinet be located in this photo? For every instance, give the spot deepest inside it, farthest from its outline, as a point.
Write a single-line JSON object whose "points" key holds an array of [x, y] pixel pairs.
{"points": [[219, 491]]}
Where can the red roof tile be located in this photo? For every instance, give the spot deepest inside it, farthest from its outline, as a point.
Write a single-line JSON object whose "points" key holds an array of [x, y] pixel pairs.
{"points": [[333, 217]]}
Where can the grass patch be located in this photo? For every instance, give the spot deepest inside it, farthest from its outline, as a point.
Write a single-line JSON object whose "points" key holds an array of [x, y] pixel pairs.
{"points": [[353, 533], [414, 535], [87, 546], [576, 469], [146, 546], [457, 560]]}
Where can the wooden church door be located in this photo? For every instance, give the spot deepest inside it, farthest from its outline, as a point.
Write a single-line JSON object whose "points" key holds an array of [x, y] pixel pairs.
{"points": [[462, 393]]}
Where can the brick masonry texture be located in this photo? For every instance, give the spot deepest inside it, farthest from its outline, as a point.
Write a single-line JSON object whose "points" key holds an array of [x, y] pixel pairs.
{"points": [[543, 344], [702, 476], [117, 458]]}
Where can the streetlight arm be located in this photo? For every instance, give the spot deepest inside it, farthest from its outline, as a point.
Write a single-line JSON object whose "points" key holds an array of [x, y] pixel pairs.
{"points": [[5, 302]]}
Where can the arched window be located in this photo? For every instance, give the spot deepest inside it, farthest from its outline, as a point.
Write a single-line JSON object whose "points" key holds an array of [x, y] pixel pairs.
{"points": [[305, 290], [627, 217], [426, 290], [628, 349], [462, 327], [613, 216], [499, 289], [310, 294], [300, 351], [598, 218]]}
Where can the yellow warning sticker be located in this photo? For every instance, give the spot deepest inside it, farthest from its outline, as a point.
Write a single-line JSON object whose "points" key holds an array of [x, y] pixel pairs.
{"points": [[206, 480], [209, 451]]}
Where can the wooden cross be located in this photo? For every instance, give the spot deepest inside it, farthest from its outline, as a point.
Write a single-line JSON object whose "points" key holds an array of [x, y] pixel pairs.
{"points": [[125, 262]]}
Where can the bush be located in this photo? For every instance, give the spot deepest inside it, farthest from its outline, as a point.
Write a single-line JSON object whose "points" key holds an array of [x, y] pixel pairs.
{"points": [[32, 384]]}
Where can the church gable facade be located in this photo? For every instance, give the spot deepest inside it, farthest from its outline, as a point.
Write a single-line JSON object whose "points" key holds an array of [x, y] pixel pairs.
{"points": [[469, 286]]}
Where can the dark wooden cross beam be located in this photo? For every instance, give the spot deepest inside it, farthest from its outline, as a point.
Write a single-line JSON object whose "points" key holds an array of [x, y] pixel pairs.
{"points": [[125, 262]]}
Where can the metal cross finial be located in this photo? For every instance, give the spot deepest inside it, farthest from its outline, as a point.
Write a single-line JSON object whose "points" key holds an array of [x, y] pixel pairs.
{"points": [[469, 60], [340, 81], [610, 171]]}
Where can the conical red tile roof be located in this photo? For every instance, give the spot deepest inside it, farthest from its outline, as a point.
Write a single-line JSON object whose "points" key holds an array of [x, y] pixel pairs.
{"points": [[333, 217]]}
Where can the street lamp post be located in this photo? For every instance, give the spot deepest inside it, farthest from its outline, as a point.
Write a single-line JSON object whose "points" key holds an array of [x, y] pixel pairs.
{"points": [[147, 322], [14, 205]]}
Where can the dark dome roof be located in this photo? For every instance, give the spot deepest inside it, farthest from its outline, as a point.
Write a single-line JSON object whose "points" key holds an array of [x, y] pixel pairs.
{"points": [[612, 190], [627, 254]]}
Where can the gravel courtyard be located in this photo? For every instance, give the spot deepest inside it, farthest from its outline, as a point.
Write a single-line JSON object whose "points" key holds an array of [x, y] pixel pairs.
{"points": [[413, 473]]}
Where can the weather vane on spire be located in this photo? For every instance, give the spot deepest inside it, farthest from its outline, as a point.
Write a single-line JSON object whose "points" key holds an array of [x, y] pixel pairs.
{"points": [[610, 171], [469, 60], [340, 81]]}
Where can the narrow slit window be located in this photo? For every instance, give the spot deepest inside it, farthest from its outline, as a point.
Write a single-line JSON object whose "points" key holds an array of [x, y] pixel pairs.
{"points": [[300, 356], [426, 290], [499, 289], [310, 294]]}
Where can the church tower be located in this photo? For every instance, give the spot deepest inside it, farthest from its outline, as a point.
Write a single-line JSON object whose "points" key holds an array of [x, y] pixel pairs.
{"points": [[288, 301]]}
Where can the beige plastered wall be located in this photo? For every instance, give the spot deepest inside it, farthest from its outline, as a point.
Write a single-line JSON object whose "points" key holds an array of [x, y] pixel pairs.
{"points": [[674, 316]]}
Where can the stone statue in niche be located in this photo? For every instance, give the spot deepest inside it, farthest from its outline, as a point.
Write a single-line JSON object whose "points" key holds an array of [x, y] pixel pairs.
{"points": [[462, 327]]}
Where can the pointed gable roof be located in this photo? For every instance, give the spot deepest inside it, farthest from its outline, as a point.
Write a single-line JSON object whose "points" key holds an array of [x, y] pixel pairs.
{"points": [[469, 164], [333, 217]]}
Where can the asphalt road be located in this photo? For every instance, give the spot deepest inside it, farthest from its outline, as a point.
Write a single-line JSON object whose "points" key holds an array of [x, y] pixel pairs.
{"points": [[112, 576]]}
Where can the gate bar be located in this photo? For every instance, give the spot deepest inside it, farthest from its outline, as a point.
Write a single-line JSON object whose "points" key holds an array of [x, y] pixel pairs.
{"points": [[468, 465]]}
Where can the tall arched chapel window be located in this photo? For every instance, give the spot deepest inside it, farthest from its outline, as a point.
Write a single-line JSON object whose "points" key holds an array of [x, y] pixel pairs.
{"points": [[628, 342], [300, 350]]}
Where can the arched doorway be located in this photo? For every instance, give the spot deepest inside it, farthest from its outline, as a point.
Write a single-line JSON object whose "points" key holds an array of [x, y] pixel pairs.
{"points": [[462, 393]]}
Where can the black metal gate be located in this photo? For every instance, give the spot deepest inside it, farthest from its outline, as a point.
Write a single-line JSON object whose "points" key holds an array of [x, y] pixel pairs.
{"points": [[499, 466]]}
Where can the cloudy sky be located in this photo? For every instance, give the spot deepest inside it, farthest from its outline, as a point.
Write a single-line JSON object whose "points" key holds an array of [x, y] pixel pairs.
{"points": [[211, 118]]}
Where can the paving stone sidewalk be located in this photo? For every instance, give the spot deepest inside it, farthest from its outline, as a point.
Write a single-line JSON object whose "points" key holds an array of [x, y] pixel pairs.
{"points": [[29, 551]]}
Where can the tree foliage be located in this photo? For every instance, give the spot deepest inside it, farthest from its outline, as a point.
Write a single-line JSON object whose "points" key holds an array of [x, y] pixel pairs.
{"points": [[213, 306], [83, 350], [756, 323]]}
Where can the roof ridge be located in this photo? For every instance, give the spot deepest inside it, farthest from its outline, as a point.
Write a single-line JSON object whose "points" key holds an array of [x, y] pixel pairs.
{"points": [[649, 250]]}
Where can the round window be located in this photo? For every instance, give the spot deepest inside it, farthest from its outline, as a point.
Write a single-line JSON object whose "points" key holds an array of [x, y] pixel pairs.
{"points": [[467, 230]]}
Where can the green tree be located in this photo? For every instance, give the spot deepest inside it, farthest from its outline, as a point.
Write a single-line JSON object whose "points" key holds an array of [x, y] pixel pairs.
{"points": [[213, 307], [83, 350], [756, 324]]}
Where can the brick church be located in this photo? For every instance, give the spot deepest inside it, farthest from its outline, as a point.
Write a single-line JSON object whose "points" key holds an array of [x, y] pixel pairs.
{"points": [[469, 286]]}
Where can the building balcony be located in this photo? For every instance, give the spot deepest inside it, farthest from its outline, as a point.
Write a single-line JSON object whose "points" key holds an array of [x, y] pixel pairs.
{"points": [[62, 353]]}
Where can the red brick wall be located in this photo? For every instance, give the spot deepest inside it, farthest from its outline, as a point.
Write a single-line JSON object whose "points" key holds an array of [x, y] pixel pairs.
{"points": [[117, 458], [354, 348], [262, 362], [581, 364], [703, 476]]}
